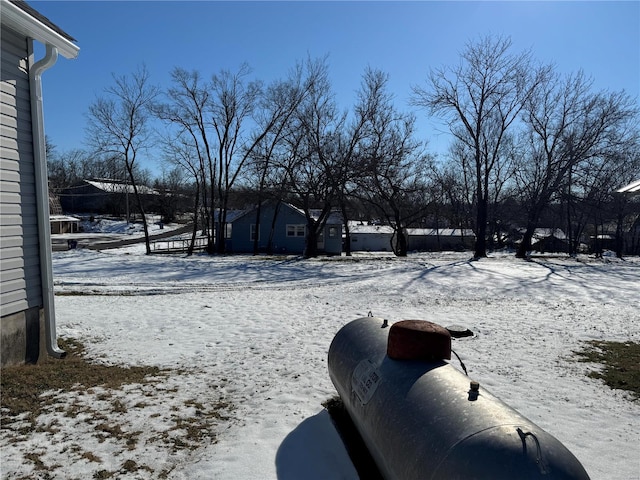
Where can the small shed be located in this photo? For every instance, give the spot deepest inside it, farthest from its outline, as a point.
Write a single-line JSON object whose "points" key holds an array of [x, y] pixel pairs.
{"points": [[64, 224]]}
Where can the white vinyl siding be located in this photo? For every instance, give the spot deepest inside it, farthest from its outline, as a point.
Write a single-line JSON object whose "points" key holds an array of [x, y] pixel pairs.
{"points": [[20, 287]]}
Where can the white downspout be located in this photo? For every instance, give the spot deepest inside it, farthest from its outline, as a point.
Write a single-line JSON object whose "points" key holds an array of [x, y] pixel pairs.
{"points": [[42, 197]]}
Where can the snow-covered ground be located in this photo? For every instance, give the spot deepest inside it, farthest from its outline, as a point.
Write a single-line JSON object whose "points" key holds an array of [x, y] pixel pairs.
{"points": [[255, 331]]}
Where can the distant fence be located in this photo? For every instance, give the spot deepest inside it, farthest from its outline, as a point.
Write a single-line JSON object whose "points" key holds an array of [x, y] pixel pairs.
{"points": [[178, 245]]}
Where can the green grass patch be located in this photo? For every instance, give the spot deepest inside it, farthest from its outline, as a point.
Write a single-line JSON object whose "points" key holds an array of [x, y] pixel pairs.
{"points": [[620, 361]]}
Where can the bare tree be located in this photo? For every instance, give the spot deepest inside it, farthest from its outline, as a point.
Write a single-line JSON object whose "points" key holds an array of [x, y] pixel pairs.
{"points": [[594, 181], [169, 186], [241, 120], [370, 111], [279, 103], [568, 125], [310, 158], [183, 154], [233, 104], [66, 168], [393, 175], [449, 184], [392, 169], [480, 99], [594, 184], [118, 125], [225, 121], [188, 107]]}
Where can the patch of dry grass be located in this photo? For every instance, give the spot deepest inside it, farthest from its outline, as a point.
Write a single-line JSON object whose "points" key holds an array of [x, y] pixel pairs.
{"points": [[24, 386], [93, 395], [621, 364]]}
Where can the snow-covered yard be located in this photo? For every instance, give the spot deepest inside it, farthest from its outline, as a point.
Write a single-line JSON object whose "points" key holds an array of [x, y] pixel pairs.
{"points": [[253, 332]]}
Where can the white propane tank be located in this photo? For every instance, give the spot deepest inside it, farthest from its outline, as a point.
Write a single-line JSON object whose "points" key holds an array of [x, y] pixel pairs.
{"points": [[423, 419]]}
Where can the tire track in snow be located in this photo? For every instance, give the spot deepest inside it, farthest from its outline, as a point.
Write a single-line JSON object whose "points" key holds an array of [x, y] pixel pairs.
{"points": [[140, 289]]}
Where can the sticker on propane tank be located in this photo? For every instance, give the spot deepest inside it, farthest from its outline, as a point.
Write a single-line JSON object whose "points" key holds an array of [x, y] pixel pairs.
{"points": [[365, 380]]}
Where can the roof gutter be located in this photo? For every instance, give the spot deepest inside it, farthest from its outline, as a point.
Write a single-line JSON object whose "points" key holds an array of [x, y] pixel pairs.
{"points": [[21, 21], [42, 189], [22, 18]]}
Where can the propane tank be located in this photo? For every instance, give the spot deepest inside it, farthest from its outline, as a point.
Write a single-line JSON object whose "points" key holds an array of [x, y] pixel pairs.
{"points": [[421, 418]]}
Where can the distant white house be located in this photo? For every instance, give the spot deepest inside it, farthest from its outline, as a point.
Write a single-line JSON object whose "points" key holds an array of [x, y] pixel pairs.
{"points": [[377, 238]]}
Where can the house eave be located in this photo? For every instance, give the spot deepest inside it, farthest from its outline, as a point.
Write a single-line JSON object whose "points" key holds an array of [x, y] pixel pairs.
{"points": [[21, 21]]}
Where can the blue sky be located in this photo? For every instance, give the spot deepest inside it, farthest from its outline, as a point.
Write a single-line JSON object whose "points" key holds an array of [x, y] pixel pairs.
{"points": [[404, 39]]}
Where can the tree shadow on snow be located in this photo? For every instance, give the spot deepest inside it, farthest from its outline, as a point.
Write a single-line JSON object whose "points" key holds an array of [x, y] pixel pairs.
{"points": [[450, 270], [595, 280]]}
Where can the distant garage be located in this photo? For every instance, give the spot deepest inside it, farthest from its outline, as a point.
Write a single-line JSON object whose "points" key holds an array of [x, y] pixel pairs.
{"points": [[377, 238], [370, 238]]}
